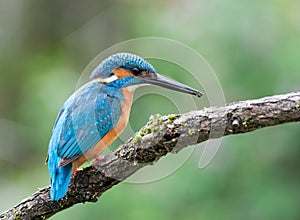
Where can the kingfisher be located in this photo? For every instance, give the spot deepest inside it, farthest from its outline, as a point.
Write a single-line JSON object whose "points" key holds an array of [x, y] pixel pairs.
{"points": [[97, 113]]}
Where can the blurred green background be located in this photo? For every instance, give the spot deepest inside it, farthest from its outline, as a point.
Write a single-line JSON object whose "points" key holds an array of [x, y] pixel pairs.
{"points": [[253, 47]]}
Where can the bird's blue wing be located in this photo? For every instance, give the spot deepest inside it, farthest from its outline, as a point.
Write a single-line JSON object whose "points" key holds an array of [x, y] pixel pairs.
{"points": [[86, 117]]}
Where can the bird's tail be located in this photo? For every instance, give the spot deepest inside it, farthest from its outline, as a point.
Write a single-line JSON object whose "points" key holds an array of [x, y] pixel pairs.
{"points": [[60, 177]]}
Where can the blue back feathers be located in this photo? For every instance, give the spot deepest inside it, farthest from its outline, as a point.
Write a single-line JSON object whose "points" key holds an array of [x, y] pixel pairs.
{"points": [[85, 118]]}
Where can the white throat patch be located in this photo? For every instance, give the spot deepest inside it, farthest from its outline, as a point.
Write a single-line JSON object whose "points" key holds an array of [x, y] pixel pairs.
{"points": [[133, 88]]}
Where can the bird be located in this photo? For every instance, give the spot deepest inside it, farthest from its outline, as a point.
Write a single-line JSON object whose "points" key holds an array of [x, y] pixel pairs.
{"points": [[97, 113]]}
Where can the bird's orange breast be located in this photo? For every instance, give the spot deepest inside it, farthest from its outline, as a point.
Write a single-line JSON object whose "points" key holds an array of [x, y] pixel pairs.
{"points": [[112, 135]]}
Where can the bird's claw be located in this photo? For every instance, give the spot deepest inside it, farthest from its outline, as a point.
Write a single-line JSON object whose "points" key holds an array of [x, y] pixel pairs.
{"points": [[97, 159]]}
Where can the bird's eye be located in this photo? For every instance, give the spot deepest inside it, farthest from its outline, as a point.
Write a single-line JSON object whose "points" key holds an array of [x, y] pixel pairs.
{"points": [[135, 70], [111, 74]]}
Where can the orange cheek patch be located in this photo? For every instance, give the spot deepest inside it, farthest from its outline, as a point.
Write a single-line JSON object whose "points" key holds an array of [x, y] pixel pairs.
{"points": [[121, 73]]}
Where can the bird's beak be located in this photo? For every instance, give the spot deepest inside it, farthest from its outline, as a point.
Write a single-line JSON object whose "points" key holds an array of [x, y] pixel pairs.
{"points": [[159, 80]]}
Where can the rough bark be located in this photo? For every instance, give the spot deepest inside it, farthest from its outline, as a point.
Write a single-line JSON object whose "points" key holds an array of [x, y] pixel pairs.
{"points": [[161, 135]]}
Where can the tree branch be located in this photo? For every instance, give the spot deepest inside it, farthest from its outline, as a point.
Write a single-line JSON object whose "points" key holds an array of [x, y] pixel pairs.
{"points": [[161, 135]]}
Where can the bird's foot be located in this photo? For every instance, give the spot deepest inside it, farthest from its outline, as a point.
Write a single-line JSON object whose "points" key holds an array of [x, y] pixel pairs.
{"points": [[97, 159]]}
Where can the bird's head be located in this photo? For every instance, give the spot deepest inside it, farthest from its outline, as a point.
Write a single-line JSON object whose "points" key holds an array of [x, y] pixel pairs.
{"points": [[127, 69]]}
